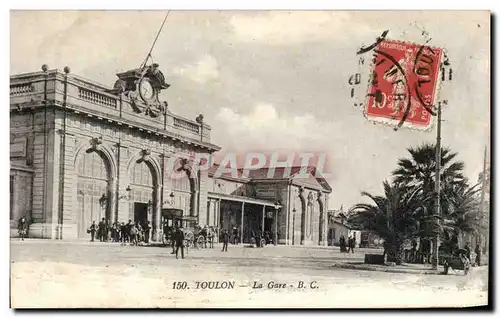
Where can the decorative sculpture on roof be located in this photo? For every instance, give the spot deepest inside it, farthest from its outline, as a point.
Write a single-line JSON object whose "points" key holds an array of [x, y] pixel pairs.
{"points": [[142, 86]]}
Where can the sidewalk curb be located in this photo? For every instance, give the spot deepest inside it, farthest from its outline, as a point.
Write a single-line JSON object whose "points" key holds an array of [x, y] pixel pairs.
{"points": [[389, 270]]}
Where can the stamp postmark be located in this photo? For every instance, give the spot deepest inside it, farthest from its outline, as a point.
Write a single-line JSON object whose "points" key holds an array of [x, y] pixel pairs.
{"points": [[404, 83]]}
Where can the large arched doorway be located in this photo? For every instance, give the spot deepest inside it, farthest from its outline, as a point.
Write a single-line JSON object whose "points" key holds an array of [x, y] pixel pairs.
{"points": [[182, 187], [93, 190], [143, 185]]}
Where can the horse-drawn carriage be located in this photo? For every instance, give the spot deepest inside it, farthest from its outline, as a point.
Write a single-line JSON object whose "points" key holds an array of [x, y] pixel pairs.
{"points": [[172, 218]]}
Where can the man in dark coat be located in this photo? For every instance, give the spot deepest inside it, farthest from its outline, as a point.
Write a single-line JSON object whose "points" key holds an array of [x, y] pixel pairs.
{"points": [[147, 229], [123, 231], [349, 245], [204, 233], [92, 230], [342, 243], [22, 228], [128, 228], [477, 250], [225, 240], [179, 242], [467, 250], [235, 235], [101, 230]]}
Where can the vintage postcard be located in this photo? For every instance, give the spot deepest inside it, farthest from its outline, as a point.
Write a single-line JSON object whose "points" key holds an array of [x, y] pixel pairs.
{"points": [[249, 159]]}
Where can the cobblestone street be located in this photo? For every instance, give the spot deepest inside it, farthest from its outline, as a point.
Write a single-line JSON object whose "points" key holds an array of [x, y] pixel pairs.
{"points": [[111, 275]]}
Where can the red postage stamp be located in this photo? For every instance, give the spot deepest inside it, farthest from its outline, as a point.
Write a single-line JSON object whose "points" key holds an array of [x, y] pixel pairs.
{"points": [[403, 86]]}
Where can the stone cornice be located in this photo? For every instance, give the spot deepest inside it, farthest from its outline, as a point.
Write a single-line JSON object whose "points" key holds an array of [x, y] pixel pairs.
{"points": [[100, 101], [140, 126]]}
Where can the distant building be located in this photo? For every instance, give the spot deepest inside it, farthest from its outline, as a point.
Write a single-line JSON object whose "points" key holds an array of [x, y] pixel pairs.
{"points": [[248, 203], [338, 226]]}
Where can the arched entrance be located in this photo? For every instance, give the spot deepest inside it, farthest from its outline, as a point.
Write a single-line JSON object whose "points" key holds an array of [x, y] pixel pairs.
{"points": [[93, 190], [184, 186], [143, 195]]}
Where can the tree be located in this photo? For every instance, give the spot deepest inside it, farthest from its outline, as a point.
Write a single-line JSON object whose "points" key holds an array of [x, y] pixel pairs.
{"points": [[393, 217], [419, 172], [420, 169], [459, 203], [463, 214]]}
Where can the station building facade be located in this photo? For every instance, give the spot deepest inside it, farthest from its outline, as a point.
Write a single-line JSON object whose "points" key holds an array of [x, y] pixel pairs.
{"points": [[82, 151]]}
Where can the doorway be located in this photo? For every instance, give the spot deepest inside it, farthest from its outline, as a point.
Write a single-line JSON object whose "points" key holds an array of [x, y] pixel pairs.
{"points": [[140, 212]]}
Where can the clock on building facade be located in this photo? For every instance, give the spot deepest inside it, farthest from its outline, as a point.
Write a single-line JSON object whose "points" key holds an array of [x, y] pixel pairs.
{"points": [[142, 87]]}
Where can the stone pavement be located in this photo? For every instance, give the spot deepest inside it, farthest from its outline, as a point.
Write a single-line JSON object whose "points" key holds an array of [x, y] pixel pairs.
{"points": [[100, 275]]}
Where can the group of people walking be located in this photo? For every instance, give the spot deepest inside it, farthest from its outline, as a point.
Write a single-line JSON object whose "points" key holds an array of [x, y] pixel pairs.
{"points": [[347, 247], [120, 232]]}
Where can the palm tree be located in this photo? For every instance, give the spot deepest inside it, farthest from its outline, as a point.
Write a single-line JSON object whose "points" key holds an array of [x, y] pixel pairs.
{"points": [[463, 215], [420, 169], [393, 217]]}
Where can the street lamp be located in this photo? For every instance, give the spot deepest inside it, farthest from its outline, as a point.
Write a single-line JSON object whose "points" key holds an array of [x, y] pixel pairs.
{"points": [[172, 198], [103, 203], [128, 195], [103, 200], [293, 226], [276, 208]]}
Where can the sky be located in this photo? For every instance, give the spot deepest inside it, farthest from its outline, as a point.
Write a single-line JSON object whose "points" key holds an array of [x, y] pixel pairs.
{"points": [[277, 80]]}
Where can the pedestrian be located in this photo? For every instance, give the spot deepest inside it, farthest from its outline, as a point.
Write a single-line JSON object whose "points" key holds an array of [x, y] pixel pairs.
{"points": [[477, 250], [267, 237], [235, 235], [116, 232], [413, 256], [128, 228], [210, 237], [342, 244], [107, 231], [147, 231], [467, 251], [350, 245], [204, 233], [225, 240], [425, 247], [101, 230], [133, 234], [92, 230], [140, 232], [22, 228], [179, 242], [123, 230]]}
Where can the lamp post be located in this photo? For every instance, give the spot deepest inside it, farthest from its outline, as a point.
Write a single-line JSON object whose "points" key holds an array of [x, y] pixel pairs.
{"points": [[293, 226], [128, 195], [172, 198], [435, 259], [276, 208], [103, 203]]}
